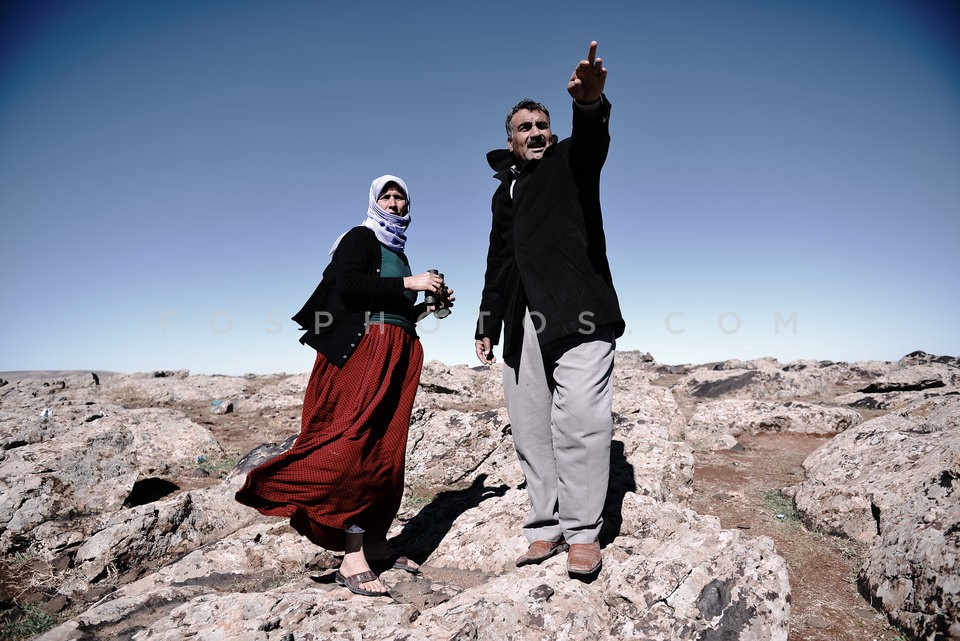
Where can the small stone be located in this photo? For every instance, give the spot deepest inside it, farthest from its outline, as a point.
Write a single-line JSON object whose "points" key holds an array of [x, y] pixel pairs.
{"points": [[57, 604], [268, 626], [818, 622], [542, 592], [222, 407], [743, 526]]}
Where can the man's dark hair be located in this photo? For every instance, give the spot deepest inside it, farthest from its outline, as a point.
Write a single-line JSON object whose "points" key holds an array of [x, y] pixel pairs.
{"points": [[528, 105]]}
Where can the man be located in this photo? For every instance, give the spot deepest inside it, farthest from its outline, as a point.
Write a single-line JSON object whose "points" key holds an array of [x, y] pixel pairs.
{"points": [[548, 284]]}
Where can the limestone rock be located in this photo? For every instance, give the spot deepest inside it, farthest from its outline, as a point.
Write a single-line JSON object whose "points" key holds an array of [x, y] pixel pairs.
{"points": [[467, 388], [142, 390], [42, 483], [134, 539], [894, 482], [445, 447], [164, 441], [913, 378], [644, 460], [922, 358], [716, 424], [100, 480], [765, 379], [669, 574], [257, 556], [646, 403], [264, 395]]}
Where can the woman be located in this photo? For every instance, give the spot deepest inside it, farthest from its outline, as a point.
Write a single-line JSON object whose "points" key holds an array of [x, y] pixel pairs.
{"points": [[342, 481]]}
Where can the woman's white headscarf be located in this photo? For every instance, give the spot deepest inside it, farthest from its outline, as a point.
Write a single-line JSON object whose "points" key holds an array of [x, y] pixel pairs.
{"points": [[389, 228]]}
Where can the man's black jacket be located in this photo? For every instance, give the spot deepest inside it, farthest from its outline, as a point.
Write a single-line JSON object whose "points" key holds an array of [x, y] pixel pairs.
{"points": [[547, 248]]}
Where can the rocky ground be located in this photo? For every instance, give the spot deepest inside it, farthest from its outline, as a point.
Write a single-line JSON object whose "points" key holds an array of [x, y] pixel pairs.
{"points": [[742, 488], [749, 500]]}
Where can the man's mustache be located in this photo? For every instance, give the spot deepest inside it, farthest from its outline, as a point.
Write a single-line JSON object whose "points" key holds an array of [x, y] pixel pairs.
{"points": [[537, 141]]}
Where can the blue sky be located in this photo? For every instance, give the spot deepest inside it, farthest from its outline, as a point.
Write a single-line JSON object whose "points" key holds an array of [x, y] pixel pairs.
{"points": [[782, 179]]}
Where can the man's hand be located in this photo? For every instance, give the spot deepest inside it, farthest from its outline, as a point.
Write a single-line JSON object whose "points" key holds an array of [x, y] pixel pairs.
{"points": [[588, 78], [485, 351]]}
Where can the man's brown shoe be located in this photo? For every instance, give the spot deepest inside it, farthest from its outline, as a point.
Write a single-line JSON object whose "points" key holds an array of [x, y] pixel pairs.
{"points": [[541, 551], [583, 558]]}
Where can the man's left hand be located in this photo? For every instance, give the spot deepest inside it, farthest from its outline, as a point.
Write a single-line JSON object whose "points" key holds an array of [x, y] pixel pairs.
{"points": [[588, 78]]}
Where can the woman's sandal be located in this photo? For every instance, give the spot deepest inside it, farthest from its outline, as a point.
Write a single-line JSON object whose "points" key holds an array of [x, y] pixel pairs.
{"points": [[403, 563], [393, 562], [354, 581]]}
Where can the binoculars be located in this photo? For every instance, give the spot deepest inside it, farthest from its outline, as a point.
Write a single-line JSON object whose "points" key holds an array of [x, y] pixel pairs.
{"points": [[438, 302]]}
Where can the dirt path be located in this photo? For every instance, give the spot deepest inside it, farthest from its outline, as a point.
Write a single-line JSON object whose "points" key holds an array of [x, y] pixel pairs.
{"points": [[741, 487]]}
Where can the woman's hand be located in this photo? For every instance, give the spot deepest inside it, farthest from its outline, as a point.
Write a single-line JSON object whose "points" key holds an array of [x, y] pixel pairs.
{"points": [[445, 299], [425, 282]]}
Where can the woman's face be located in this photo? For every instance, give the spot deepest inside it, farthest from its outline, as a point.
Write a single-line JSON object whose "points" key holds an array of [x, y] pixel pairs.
{"points": [[393, 200]]}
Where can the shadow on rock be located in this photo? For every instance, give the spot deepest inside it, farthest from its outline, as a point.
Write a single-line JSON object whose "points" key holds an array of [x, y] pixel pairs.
{"points": [[621, 482], [422, 534]]}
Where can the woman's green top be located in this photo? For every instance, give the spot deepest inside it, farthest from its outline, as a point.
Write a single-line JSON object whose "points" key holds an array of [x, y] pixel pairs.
{"points": [[393, 264]]}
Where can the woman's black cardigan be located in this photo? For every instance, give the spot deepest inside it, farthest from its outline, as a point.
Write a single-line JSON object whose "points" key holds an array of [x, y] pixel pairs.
{"points": [[334, 318]]}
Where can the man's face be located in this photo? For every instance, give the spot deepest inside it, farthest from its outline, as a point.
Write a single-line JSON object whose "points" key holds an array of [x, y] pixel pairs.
{"points": [[531, 135]]}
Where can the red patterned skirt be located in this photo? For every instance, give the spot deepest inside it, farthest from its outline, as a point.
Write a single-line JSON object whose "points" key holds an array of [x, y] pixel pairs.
{"points": [[346, 467]]}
